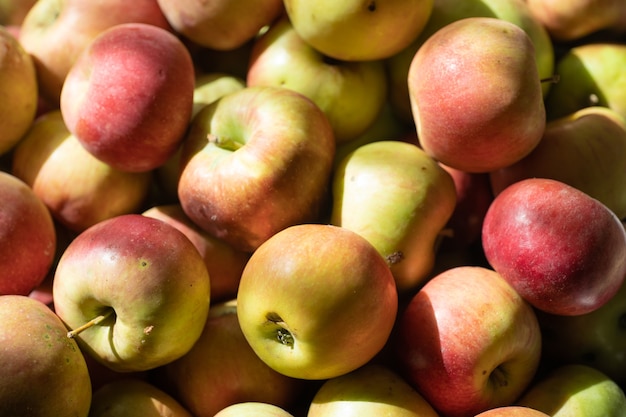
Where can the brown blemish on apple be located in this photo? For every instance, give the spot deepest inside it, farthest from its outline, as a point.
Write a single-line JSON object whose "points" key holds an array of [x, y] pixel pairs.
{"points": [[395, 258], [371, 6]]}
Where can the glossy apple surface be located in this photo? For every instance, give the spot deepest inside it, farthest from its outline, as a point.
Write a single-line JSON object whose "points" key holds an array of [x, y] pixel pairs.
{"points": [[253, 409]]}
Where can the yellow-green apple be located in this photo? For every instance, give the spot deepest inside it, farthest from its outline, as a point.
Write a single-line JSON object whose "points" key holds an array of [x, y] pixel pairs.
{"points": [[561, 249], [575, 391], [351, 94], [134, 291], [13, 12], [374, 390], [55, 32], [78, 189], [355, 30], [27, 237], [224, 263], [316, 301], [574, 20], [253, 409], [42, 372], [585, 150], [399, 199], [210, 86], [512, 411], [448, 11], [589, 75], [128, 97], [244, 176], [18, 83], [221, 25], [468, 342], [476, 95], [595, 339], [129, 397], [221, 369]]}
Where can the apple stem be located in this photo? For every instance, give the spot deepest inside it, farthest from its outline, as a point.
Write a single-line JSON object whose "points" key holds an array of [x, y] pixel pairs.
{"points": [[96, 320], [554, 78], [224, 143]]}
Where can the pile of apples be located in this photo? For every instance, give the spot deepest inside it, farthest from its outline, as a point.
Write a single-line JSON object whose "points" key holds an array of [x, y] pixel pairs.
{"points": [[312, 208]]}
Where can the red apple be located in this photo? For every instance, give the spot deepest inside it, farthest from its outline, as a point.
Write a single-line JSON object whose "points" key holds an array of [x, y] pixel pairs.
{"points": [[562, 250], [27, 237], [128, 97]]}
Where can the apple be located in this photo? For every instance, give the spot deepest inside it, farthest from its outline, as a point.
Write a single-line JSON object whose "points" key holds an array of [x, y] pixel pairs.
{"points": [[42, 372], [589, 75], [578, 149], [221, 370], [128, 97], [316, 301], [224, 263], [575, 390], [492, 113], [210, 86], [353, 30], [244, 176], [131, 397], [55, 32], [27, 237], [13, 12], [221, 25], [574, 20], [561, 249], [253, 409], [49, 158], [371, 390], [468, 342], [512, 411], [134, 291], [399, 199], [18, 83], [351, 94]]}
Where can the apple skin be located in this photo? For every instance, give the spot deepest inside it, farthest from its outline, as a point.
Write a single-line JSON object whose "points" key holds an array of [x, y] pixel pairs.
{"points": [[221, 369], [42, 372], [149, 276], [562, 250], [351, 94], [512, 411], [468, 342], [398, 198], [493, 113], [353, 30], [575, 390], [27, 237], [222, 24], [278, 175], [577, 149], [55, 32], [224, 263], [210, 86], [316, 301], [253, 409], [372, 390], [130, 397], [13, 12], [49, 157], [18, 83], [128, 97]]}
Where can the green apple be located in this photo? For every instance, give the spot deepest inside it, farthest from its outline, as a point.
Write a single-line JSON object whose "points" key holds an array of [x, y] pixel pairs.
{"points": [[18, 83], [399, 199], [316, 301], [589, 75], [372, 390], [576, 391], [210, 86], [578, 150], [244, 176], [131, 397], [78, 189], [222, 370], [253, 409], [134, 291], [355, 30], [42, 372]]}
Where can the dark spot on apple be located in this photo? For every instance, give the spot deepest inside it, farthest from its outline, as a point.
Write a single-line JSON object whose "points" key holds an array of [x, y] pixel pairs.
{"points": [[484, 372], [394, 258], [371, 7]]}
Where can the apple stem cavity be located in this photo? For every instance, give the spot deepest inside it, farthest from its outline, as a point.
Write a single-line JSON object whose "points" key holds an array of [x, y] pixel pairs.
{"points": [[499, 378], [283, 335], [95, 321], [224, 143]]}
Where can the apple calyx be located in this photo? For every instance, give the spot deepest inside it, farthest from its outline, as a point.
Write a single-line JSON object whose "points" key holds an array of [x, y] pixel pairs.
{"points": [[224, 143], [283, 335], [95, 321]]}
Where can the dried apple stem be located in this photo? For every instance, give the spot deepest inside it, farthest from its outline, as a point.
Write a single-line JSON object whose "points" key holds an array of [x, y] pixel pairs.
{"points": [[96, 320]]}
